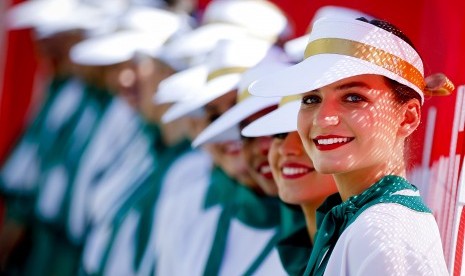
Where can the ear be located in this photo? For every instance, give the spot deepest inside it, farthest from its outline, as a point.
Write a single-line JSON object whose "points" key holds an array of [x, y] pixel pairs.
{"points": [[411, 114]]}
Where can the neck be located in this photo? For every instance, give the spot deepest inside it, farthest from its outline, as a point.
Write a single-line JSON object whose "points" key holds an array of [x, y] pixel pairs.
{"points": [[309, 210], [174, 132], [355, 182]]}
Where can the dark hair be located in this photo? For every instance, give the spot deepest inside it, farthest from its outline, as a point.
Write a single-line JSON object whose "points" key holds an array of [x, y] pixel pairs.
{"points": [[402, 93], [388, 27]]}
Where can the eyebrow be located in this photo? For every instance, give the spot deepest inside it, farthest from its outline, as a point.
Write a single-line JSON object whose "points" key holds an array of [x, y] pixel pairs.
{"points": [[348, 85], [353, 84]]}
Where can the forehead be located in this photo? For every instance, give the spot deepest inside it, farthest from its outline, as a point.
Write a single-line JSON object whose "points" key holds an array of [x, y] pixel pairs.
{"points": [[376, 82]]}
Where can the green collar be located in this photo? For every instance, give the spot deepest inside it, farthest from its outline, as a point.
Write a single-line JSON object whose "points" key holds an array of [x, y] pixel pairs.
{"points": [[294, 245], [248, 207], [221, 189], [238, 202], [255, 210]]}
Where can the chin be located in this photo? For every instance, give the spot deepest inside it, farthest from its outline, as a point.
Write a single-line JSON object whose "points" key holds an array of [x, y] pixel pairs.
{"points": [[269, 188], [328, 168], [292, 197]]}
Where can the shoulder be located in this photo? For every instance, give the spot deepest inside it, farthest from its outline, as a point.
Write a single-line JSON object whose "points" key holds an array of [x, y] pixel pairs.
{"points": [[388, 239]]}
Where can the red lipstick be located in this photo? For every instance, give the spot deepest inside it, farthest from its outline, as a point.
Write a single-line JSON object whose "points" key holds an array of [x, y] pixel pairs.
{"points": [[330, 142]]}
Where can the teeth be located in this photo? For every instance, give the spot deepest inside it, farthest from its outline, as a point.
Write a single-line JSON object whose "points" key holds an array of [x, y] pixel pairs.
{"points": [[331, 141], [294, 171], [265, 169]]}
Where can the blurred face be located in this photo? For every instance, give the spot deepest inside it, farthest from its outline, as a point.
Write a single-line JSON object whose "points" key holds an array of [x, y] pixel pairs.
{"points": [[255, 152], [121, 79], [227, 155], [297, 180], [149, 73], [353, 125]]}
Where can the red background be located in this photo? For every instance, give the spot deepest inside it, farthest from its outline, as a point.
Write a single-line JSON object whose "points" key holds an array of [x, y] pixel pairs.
{"points": [[436, 27]]}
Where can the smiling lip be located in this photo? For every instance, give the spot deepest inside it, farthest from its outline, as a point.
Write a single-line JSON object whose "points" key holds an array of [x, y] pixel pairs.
{"points": [[330, 142], [264, 169], [294, 170]]}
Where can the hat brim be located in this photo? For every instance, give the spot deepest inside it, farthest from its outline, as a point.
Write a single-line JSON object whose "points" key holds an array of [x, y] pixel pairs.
{"points": [[318, 71], [281, 120], [113, 48], [295, 48], [182, 85], [202, 40], [211, 91], [231, 119]]}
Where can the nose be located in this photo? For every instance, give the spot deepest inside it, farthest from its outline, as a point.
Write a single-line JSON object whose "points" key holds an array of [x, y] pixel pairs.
{"points": [[127, 77], [326, 115], [291, 145]]}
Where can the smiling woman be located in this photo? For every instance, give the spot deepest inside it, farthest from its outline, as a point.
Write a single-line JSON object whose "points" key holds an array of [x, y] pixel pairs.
{"points": [[362, 87]]}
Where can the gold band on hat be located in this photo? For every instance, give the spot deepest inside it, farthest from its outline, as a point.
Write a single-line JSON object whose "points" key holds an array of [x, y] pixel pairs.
{"points": [[288, 99], [243, 95], [225, 71], [368, 53]]}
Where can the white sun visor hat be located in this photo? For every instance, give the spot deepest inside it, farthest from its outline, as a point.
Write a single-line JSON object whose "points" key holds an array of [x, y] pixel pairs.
{"points": [[342, 48], [152, 20], [246, 105], [181, 86], [281, 120], [261, 18], [227, 62], [145, 30], [295, 48], [194, 46], [49, 17], [113, 48]]}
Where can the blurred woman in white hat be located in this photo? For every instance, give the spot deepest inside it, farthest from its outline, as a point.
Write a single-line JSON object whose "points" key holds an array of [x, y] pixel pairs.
{"points": [[299, 185], [227, 223], [362, 86]]}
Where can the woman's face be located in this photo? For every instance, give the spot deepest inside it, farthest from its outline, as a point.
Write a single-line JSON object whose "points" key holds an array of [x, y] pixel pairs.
{"points": [[121, 79], [149, 73], [255, 152], [293, 171], [352, 125], [227, 155]]}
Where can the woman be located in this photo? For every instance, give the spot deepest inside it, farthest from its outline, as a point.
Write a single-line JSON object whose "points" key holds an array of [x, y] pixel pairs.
{"points": [[299, 185], [222, 225], [362, 94]]}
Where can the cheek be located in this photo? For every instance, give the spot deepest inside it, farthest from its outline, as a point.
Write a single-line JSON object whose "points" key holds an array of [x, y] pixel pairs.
{"points": [[304, 126], [273, 157], [247, 153], [215, 152]]}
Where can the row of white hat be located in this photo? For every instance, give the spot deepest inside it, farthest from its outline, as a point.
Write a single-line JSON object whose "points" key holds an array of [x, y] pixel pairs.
{"points": [[226, 127], [145, 28], [148, 28]]}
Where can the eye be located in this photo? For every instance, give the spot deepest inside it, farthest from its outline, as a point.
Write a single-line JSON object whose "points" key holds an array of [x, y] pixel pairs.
{"points": [[311, 99], [354, 98], [280, 136]]}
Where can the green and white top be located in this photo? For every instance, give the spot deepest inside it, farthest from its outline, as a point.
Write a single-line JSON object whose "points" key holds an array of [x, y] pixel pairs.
{"points": [[386, 230], [232, 231]]}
